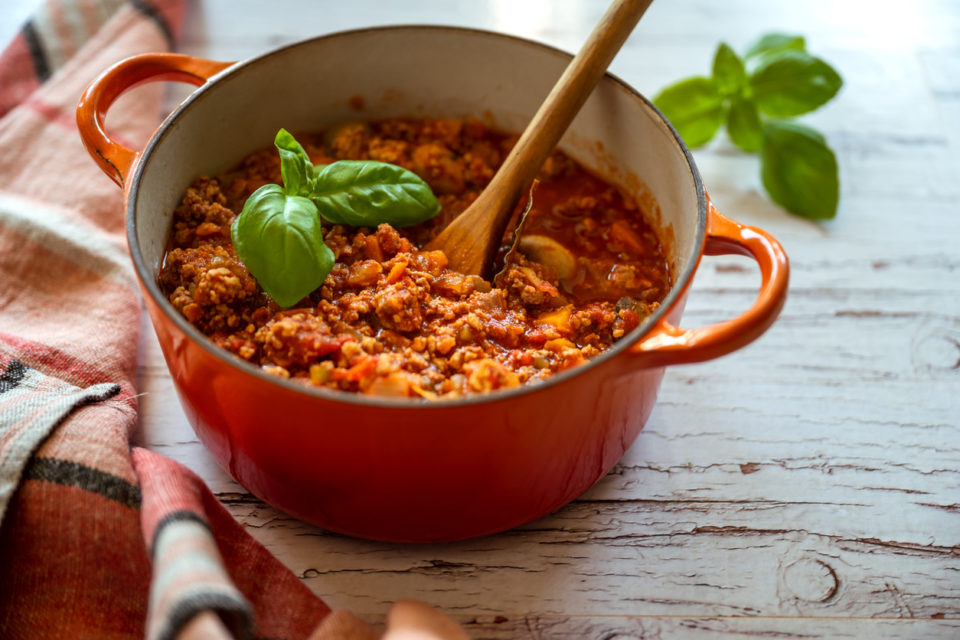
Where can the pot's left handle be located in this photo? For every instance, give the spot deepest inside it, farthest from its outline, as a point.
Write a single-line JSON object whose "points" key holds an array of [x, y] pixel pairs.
{"points": [[115, 159]]}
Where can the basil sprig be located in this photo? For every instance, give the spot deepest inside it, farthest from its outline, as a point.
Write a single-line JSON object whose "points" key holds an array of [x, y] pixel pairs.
{"points": [[775, 80], [278, 234]]}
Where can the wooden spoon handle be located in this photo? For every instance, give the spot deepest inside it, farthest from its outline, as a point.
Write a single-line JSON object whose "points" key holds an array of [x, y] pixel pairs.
{"points": [[491, 211], [567, 96]]}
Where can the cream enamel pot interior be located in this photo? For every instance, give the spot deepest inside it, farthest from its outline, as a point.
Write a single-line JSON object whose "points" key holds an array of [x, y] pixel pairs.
{"points": [[413, 470]]}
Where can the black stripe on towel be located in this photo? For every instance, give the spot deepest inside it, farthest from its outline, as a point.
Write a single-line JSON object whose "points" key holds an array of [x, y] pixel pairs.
{"points": [[151, 12], [12, 377], [233, 612], [176, 516], [74, 474], [40, 64]]}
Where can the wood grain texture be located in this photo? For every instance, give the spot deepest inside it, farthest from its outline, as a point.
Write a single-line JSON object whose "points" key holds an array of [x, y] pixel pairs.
{"points": [[807, 486], [614, 628]]}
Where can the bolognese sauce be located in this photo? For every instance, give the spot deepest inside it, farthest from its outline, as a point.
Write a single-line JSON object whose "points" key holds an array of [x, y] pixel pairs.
{"points": [[390, 319]]}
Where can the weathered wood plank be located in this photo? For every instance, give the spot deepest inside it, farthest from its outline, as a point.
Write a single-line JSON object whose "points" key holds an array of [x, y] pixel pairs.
{"points": [[615, 628], [640, 557]]}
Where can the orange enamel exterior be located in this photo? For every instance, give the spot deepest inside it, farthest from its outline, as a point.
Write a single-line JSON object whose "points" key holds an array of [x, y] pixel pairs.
{"points": [[411, 471]]}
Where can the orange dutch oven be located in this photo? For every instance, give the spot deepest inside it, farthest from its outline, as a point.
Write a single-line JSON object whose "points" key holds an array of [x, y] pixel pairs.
{"points": [[408, 470]]}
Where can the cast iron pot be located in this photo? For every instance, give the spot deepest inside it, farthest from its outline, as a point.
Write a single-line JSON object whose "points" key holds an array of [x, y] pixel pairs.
{"points": [[414, 470]]}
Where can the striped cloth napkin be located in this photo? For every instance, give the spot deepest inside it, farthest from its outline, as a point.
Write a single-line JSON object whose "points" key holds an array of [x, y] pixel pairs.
{"points": [[98, 540]]}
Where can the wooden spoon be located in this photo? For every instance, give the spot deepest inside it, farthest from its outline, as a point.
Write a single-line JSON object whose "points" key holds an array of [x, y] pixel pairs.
{"points": [[471, 240]]}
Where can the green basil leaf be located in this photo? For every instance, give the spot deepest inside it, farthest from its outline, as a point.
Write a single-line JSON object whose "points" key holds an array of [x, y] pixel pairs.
{"points": [[295, 165], [799, 170], [279, 239], [773, 42], [743, 125], [694, 107], [728, 72], [365, 193], [790, 83]]}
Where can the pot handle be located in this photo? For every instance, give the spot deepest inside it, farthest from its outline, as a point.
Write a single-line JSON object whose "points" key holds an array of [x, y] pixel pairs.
{"points": [[115, 159], [667, 344]]}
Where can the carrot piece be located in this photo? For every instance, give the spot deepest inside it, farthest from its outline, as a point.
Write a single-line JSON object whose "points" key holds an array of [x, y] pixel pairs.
{"points": [[559, 318], [624, 235], [558, 344], [361, 370], [396, 272], [373, 248]]}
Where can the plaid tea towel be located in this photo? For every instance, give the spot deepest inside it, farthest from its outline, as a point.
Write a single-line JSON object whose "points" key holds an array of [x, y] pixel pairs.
{"points": [[96, 540]]}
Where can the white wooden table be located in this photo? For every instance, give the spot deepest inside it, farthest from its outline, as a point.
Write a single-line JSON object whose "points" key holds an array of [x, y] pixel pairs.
{"points": [[806, 486]]}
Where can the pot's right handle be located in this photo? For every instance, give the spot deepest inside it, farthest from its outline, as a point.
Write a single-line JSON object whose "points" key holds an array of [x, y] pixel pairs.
{"points": [[115, 159], [667, 344]]}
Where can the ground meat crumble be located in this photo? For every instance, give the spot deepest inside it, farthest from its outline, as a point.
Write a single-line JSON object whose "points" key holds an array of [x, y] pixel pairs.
{"points": [[390, 319]]}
